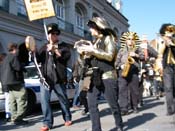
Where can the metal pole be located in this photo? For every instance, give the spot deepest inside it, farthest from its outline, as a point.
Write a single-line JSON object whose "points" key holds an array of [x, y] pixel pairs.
{"points": [[45, 29]]}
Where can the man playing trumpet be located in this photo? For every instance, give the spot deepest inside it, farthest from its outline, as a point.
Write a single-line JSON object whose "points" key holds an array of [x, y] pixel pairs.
{"points": [[165, 63]]}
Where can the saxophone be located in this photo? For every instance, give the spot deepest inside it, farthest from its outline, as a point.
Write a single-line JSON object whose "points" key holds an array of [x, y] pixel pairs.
{"points": [[127, 66]]}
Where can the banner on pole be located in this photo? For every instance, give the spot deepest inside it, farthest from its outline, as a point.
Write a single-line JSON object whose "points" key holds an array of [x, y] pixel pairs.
{"points": [[39, 9]]}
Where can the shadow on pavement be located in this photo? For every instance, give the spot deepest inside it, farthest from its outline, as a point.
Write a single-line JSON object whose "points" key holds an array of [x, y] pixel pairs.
{"points": [[138, 120], [8, 126], [150, 103]]}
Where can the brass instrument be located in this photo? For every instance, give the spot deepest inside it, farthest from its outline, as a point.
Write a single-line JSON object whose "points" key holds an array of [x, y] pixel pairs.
{"points": [[30, 43], [170, 58], [129, 62], [127, 66]]}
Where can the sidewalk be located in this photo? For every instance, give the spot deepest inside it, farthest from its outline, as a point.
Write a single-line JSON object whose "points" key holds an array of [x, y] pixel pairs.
{"points": [[151, 117]]}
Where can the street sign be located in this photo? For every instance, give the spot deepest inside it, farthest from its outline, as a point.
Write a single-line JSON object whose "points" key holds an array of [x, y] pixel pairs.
{"points": [[39, 9]]}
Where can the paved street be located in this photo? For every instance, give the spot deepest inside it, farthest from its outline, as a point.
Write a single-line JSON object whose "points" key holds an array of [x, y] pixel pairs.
{"points": [[152, 117]]}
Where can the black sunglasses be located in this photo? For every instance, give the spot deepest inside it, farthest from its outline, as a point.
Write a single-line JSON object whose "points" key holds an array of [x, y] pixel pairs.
{"points": [[55, 33]]}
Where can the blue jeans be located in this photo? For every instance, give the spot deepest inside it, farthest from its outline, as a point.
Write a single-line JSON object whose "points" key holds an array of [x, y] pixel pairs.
{"points": [[60, 91], [76, 96]]}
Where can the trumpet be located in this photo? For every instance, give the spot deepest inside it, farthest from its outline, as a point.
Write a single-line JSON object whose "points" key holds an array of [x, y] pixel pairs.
{"points": [[81, 47]]}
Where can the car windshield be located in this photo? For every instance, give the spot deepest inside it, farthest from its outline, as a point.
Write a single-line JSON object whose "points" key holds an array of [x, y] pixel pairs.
{"points": [[31, 73]]}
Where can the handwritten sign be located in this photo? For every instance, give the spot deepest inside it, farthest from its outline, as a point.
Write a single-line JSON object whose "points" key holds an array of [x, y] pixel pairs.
{"points": [[39, 9]]}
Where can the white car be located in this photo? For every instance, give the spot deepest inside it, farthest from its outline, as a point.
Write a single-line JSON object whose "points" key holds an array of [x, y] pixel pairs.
{"points": [[32, 84]]}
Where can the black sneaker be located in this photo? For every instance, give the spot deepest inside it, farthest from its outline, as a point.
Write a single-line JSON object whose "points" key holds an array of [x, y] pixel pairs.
{"points": [[20, 122]]}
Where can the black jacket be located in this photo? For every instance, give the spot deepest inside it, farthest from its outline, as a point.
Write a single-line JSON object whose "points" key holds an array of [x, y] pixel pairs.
{"points": [[60, 62], [12, 72]]}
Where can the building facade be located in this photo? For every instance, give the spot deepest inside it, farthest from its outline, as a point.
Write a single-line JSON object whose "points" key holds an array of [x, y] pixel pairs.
{"points": [[71, 16]]}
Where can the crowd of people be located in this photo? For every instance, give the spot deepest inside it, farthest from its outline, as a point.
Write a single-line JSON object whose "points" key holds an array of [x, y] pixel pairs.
{"points": [[123, 75]]}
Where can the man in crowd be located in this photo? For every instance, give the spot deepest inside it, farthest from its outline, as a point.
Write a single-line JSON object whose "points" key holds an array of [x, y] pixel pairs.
{"points": [[53, 58], [13, 80]]}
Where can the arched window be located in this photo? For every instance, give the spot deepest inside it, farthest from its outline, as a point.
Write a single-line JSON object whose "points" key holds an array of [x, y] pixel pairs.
{"points": [[21, 8], [4, 4], [116, 31], [79, 17], [60, 10]]}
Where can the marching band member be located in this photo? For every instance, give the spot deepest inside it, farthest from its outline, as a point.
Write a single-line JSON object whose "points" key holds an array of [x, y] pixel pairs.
{"points": [[102, 52], [165, 63], [127, 65]]}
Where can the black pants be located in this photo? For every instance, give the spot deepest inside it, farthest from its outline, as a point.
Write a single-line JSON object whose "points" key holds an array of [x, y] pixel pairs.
{"points": [[169, 86], [111, 95], [83, 99], [128, 91]]}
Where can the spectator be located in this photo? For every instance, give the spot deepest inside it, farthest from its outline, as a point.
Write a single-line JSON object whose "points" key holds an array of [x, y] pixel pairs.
{"points": [[78, 77], [53, 58], [5, 90], [13, 80]]}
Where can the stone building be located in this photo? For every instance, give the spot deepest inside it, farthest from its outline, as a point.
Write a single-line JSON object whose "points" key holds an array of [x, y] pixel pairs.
{"points": [[71, 16]]}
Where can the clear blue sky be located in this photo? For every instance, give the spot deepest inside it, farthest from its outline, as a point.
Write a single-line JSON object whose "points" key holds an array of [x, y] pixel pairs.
{"points": [[147, 16]]}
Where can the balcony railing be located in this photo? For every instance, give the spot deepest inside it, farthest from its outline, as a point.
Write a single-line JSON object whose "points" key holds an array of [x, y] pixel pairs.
{"points": [[65, 25], [84, 33], [68, 27]]}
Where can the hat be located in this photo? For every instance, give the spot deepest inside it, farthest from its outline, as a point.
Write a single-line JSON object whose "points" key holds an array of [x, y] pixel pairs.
{"points": [[52, 27], [167, 29], [99, 22], [127, 35]]}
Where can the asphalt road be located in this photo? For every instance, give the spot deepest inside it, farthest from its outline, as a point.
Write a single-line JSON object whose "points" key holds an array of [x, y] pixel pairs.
{"points": [[151, 117]]}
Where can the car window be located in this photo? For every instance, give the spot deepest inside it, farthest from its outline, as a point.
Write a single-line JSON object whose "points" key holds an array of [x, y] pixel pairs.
{"points": [[31, 73]]}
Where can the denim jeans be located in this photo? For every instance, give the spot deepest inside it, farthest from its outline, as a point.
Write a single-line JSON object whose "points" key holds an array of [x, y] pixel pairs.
{"points": [[76, 101], [60, 91]]}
